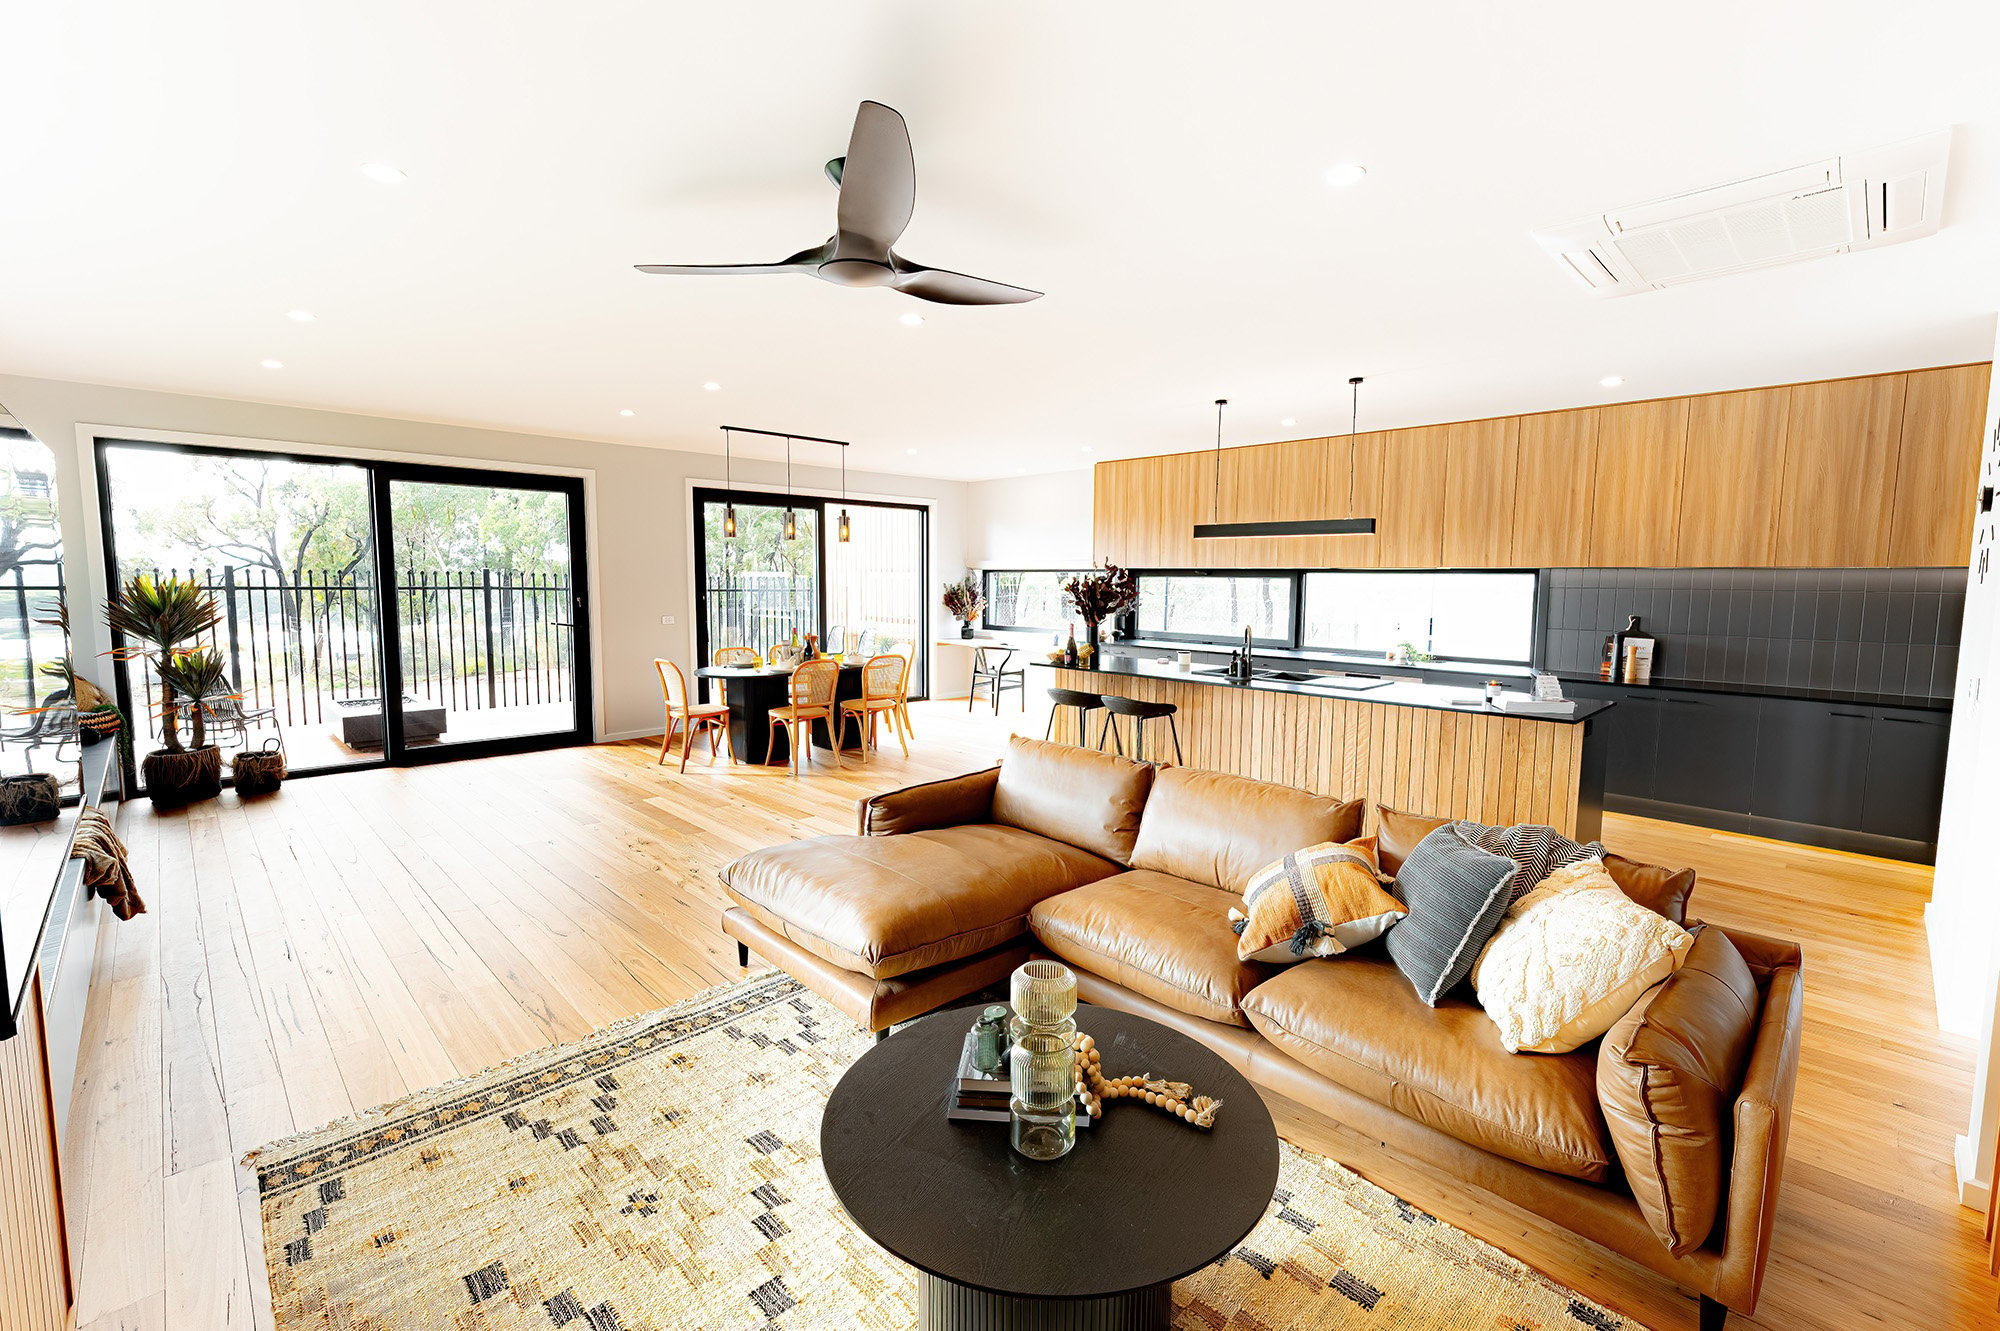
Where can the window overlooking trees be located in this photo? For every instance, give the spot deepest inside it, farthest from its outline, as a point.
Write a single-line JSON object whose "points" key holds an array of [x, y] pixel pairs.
{"points": [[1216, 607], [1027, 599]]}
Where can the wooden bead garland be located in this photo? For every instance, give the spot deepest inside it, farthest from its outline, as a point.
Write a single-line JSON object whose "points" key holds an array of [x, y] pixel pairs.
{"points": [[1093, 1088]]}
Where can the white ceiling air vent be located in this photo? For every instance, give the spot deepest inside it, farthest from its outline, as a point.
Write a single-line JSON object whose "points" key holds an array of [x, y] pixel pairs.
{"points": [[1880, 197]]}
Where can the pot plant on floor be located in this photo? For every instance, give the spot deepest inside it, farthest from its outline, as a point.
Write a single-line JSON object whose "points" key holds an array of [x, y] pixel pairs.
{"points": [[159, 616], [963, 601]]}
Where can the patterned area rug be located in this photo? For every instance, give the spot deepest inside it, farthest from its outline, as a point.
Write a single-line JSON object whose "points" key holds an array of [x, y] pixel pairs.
{"points": [[664, 1175]]}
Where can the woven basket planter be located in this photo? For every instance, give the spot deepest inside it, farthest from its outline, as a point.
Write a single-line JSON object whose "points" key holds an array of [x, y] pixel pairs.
{"points": [[174, 779], [259, 771]]}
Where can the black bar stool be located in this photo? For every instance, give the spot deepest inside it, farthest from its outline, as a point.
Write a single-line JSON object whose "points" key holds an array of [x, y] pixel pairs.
{"points": [[1141, 713], [1085, 704]]}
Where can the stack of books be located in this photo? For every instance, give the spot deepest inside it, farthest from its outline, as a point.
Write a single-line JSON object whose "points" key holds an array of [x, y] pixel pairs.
{"points": [[982, 1098]]}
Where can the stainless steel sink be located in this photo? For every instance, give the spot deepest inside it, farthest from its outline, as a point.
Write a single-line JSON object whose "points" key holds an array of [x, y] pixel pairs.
{"points": [[1288, 676]]}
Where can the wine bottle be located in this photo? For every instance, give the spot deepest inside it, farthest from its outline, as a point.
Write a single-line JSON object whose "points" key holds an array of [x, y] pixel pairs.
{"points": [[1070, 657]]}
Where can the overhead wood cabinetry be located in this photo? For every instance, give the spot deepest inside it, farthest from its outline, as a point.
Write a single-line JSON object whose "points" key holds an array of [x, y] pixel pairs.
{"points": [[1552, 489], [1635, 497], [1937, 468], [1878, 471]]}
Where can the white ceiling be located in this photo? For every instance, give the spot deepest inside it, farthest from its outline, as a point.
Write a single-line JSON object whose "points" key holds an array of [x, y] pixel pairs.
{"points": [[175, 178]]}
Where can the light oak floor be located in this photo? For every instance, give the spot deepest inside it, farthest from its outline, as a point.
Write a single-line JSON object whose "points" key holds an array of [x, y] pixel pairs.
{"points": [[365, 935]]}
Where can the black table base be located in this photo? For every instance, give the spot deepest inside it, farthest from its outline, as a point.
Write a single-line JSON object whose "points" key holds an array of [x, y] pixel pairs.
{"points": [[945, 1305]]}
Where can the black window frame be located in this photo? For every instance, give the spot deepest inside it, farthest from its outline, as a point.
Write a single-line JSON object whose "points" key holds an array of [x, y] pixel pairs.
{"points": [[1288, 642], [986, 591], [826, 506], [1293, 640]]}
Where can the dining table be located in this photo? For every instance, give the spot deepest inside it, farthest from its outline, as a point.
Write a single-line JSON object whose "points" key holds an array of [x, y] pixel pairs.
{"points": [[751, 692]]}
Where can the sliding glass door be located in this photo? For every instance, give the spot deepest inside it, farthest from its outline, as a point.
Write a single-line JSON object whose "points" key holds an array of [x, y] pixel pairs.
{"points": [[487, 604], [479, 645], [865, 595]]}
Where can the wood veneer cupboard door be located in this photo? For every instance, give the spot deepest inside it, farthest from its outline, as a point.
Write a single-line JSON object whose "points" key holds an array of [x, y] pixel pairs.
{"points": [[1636, 490], [1841, 440], [1937, 467], [1479, 492], [1552, 489], [1731, 478], [1358, 464], [35, 1292], [1109, 539], [1283, 482], [1409, 517]]}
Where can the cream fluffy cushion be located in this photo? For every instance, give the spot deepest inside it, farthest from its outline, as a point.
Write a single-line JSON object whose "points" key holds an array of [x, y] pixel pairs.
{"points": [[1570, 958]]}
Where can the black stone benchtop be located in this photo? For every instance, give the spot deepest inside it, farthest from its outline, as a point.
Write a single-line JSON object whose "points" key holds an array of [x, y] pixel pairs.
{"points": [[1396, 693]]}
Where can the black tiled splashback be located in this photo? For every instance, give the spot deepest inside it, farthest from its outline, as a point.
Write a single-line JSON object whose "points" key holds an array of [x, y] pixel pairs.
{"points": [[1892, 631]]}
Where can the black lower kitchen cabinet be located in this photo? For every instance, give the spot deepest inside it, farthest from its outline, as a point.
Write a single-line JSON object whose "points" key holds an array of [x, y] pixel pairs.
{"points": [[1850, 776]]}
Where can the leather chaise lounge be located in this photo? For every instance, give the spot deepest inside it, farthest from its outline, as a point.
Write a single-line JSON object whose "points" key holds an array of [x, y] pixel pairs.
{"points": [[1127, 872]]}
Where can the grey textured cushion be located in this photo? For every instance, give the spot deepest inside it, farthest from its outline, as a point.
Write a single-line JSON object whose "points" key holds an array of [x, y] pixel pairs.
{"points": [[1457, 894], [1539, 850]]}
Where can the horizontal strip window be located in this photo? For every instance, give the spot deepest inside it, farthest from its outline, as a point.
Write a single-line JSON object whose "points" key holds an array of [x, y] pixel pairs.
{"points": [[1027, 600], [1473, 617], [1217, 607]]}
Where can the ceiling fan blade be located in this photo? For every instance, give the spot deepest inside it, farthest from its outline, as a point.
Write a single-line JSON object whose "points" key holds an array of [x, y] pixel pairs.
{"points": [[948, 288], [878, 184], [805, 261]]}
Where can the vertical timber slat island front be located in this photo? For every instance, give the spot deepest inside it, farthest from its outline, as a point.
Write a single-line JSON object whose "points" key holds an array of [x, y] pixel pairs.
{"points": [[1404, 745]]}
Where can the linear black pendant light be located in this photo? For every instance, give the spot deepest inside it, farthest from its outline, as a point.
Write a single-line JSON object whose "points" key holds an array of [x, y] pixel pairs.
{"points": [[1215, 528]]}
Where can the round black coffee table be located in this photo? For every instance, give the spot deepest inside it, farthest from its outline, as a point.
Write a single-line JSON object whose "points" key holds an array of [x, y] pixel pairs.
{"points": [[1091, 1241]]}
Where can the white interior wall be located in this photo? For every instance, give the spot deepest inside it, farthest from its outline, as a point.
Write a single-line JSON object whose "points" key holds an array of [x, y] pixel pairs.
{"points": [[1028, 521], [640, 547], [1963, 918]]}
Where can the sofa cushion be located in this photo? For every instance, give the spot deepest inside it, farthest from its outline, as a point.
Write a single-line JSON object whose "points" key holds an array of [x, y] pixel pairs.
{"points": [[1457, 894], [1354, 1020], [1157, 935], [1088, 799], [1570, 958], [1538, 848], [1665, 891], [889, 905], [1657, 889], [1219, 830], [1667, 1074], [1317, 902]]}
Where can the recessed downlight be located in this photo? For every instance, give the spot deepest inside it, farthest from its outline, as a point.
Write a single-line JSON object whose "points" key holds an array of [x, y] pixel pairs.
{"points": [[911, 320], [911, 451], [384, 174], [1088, 449], [712, 386], [1288, 422], [625, 411], [1343, 174], [301, 316], [271, 364], [1611, 381]]}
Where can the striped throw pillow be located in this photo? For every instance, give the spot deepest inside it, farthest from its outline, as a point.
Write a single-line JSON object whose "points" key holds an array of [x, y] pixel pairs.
{"points": [[1457, 894], [1539, 850], [1316, 902]]}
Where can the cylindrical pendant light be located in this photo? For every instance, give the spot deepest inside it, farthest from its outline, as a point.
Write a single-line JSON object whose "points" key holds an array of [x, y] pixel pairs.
{"points": [[729, 490], [791, 518], [846, 532]]}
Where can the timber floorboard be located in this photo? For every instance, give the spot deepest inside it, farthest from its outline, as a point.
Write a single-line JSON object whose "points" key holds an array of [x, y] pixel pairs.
{"points": [[362, 935]]}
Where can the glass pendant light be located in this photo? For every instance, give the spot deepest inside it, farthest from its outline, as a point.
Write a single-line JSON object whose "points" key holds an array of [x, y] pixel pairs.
{"points": [[791, 518], [729, 491], [846, 532]]}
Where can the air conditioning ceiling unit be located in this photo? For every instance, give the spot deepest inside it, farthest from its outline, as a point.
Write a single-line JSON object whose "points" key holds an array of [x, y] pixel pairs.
{"points": [[1881, 197]]}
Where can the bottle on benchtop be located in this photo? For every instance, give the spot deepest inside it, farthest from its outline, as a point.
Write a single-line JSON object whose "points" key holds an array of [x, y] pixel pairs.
{"points": [[1070, 657]]}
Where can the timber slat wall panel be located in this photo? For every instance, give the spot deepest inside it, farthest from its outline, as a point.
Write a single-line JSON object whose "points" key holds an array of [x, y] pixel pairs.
{"points": [[34, 1262], [1477, 765]]}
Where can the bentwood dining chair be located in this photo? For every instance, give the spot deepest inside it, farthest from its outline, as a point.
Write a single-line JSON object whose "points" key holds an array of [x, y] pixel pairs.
{"points": [[813, 685], [885, 691], [690, 717], [737, 656]]}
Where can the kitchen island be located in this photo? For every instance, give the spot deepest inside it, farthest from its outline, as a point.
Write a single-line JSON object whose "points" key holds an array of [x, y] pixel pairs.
{"points": [[1403, 743]]}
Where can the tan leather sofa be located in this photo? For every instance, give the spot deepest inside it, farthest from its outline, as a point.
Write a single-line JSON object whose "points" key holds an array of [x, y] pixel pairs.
{"points": [[1127, 872]]}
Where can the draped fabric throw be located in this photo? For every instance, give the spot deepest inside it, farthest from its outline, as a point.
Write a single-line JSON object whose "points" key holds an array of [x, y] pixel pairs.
{"points": [[105, 871]]}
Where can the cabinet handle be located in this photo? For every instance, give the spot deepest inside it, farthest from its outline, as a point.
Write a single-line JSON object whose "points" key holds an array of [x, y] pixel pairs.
{"points": [[1852, 716], [1904, 720], [1689, 702]]}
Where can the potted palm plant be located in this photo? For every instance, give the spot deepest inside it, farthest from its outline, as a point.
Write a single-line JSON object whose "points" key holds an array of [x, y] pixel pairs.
{"points": [[963, 601], [159, 616]]}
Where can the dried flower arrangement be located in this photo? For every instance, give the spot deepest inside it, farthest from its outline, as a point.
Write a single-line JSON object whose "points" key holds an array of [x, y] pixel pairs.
{"points": [[1098, 596]]}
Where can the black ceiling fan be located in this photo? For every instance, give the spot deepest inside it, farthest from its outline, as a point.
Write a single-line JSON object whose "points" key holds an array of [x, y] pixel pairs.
{"points": [[878, 192]]}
